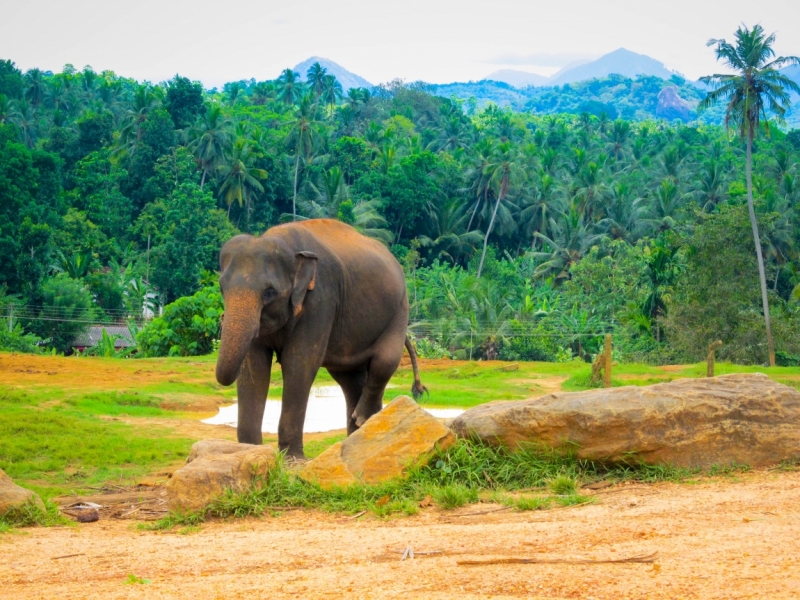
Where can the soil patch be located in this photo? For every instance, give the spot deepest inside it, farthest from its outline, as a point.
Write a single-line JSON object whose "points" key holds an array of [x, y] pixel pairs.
{"points": [[715, 539]]}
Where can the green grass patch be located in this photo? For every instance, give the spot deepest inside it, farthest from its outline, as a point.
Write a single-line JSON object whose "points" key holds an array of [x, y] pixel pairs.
{"points": [[62, 448], [31, 514], [316, 447], [458, 476]]}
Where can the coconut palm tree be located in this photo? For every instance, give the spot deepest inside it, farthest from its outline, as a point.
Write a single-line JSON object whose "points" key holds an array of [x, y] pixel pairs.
{"points": [[331, 91], [505, 171], [315, 77], [756, 86], [208, 139], [291, 88], [240, 176], [305, 137]]}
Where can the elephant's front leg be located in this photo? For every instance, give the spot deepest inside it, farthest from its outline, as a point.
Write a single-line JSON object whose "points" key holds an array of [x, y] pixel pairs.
{"points": [[252, 386], [300, 366]]}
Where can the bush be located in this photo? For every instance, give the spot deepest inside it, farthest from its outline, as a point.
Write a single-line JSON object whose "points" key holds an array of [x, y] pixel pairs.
{"points": [[188, 326], [69, 309], [528, 343], [17, 340]]}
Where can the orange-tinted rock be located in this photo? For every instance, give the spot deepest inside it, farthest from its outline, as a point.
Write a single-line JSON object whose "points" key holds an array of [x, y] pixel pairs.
{"points": [[744, 418], [13, 496], [214, 466], [401, 435]]}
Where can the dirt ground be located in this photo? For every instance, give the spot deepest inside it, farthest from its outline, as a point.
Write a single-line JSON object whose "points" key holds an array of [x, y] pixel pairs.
{"points": [[721, 538]]}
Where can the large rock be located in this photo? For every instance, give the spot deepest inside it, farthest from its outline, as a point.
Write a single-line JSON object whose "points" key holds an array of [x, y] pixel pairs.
{"points": [[746, 419], [214, 466], [12, 496], [671, 106], [401, 435]]}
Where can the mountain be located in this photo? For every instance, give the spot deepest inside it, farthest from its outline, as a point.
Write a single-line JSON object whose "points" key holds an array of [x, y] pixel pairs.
{"points": [[620, 61], [345, 77], [519, 79]]}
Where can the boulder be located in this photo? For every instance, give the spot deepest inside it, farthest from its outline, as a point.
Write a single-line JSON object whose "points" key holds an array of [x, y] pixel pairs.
{"points": [[12, 496], [401, 435], [214, 466], [671, 106], [744, 418]]}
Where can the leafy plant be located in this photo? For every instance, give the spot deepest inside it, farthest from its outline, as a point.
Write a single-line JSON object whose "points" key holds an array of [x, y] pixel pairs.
{"points": [[188, 326]]}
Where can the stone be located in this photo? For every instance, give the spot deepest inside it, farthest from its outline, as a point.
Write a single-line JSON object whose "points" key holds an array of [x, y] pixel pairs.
{"points": [[744, 418], [399, 436], [13, 496], [671, 106], [214, 466]]}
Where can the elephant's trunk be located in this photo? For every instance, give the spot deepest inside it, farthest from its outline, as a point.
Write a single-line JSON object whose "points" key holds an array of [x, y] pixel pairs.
{"points": [[239, 328]]}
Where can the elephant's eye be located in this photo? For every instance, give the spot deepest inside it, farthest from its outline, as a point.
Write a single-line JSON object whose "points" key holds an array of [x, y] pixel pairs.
{"points": [[269, 294]]}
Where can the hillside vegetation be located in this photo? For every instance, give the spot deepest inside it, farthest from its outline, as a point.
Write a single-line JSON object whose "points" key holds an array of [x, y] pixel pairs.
{"points": [[116, 195]]}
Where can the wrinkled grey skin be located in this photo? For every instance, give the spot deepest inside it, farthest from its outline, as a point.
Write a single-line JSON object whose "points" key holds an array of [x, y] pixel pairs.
{"points": [[316, 294]]}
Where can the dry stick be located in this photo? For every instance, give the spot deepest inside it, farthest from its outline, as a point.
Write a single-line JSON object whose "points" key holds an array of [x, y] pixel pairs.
{"points": [[67, 556], [481, 512], [642, 558]]}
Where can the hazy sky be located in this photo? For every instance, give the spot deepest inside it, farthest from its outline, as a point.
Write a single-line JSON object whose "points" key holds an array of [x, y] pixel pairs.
{"points": [[433, 40]]}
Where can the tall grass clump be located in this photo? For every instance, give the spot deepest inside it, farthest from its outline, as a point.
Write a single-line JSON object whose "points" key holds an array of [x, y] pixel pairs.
{"points": [[452, 478]]}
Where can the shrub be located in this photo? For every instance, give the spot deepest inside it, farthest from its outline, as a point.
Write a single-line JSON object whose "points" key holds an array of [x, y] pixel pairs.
{"points": [[17, 340], [69, 309], [525, 342], [188, 326]]}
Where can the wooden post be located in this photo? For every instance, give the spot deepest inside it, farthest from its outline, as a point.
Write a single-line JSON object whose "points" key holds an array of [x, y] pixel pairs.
{"points": [[712, 347], [607, 365]]}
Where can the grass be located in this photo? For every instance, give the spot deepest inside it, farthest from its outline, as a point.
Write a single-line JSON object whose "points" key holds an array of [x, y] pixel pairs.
{"points": [[466, 473], [31, 514], [68, 446], [68, 423]]}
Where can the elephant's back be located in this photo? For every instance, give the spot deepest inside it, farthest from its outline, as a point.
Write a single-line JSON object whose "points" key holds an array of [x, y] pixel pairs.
{"points": [[363, 259]]}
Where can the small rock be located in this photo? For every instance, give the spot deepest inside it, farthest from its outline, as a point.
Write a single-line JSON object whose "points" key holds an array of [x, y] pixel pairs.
{"points": [[402, 434], [214, 466], [743, 418], [13, 496]]}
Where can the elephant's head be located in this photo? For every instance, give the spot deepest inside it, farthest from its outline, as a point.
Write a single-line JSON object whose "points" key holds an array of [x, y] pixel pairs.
{"points": [[263, 285]]}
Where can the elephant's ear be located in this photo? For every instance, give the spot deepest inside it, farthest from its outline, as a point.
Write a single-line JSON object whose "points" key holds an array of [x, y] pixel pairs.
{"points": [[304, 279]]}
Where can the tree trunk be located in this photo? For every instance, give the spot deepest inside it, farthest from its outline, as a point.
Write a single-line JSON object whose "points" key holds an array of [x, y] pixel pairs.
{"points": [[777, 275], [757, 240], [203, 179], [294, 198], [488, 231]]}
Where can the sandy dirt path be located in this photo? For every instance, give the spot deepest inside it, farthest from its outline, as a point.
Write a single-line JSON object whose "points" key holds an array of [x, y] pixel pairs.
{"points": [[723, 538]]}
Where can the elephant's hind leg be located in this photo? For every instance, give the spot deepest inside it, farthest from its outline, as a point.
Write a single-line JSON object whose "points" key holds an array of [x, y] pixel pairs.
{"points": [[381, 368], [352, 384]]}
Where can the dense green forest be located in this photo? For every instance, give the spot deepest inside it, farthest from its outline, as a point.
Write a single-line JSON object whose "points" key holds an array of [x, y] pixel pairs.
{"points": [[116, 195]]}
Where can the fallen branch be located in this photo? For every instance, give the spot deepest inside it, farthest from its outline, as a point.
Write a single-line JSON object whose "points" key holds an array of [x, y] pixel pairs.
{"points": [[480, 512], [67, 556], [642, 558]]}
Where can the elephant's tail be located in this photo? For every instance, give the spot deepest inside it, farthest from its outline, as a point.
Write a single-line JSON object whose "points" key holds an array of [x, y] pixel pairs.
{"points": [[417, 389]]}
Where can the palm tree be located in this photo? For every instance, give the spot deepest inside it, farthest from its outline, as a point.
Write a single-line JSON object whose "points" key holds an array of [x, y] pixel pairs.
{"points": [[36, 87], [240, 175], [331, 91], [756, 86], [208, 139], [506, 171], [710, 189], [290, 87], [450, 238], [306, 138], [315, 78], [571, 239]]}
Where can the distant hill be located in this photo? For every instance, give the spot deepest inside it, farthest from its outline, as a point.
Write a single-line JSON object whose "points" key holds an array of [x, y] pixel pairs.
{"points": [[518, 79], [345, 77], [621, 62]]}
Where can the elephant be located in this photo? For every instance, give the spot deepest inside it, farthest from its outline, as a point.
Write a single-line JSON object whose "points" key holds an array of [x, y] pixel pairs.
{"points": [[315, 293]]}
